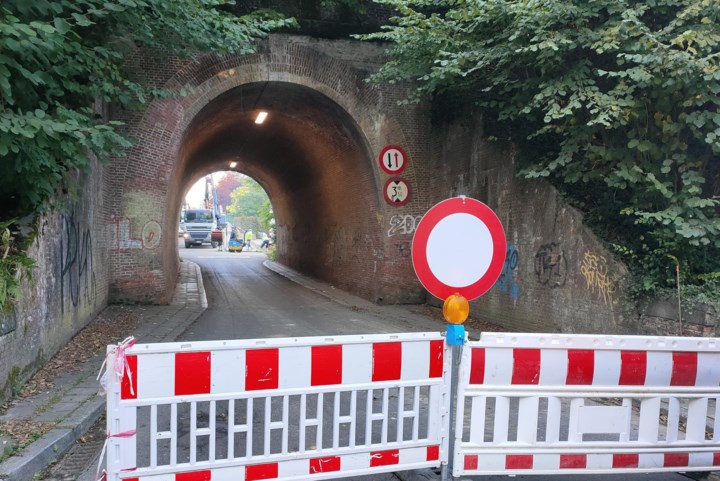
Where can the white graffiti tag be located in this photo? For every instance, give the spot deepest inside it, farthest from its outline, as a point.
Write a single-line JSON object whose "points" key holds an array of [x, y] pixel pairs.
{"points": [[403, 224]]}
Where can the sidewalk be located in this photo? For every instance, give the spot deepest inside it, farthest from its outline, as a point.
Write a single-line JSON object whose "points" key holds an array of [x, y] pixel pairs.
{"points": [[73, 405]]}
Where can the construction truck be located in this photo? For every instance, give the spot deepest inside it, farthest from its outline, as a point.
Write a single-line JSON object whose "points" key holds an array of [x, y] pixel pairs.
{"points": [[202, 226], [198, 227]]}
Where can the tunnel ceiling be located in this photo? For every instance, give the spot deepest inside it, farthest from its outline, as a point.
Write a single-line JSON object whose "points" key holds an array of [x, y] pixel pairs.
{"points": [[309, 154], [306, 138]]}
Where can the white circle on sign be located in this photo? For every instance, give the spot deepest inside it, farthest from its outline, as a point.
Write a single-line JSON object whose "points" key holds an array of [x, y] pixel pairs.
{"points": [[459, 250]]}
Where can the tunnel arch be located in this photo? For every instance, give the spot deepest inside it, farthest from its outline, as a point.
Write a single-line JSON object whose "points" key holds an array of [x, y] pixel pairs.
{"points": [[308, 155], [330, 214]]}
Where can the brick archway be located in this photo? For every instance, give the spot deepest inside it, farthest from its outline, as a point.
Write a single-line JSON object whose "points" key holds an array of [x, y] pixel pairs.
{"points": [[336, 126]]}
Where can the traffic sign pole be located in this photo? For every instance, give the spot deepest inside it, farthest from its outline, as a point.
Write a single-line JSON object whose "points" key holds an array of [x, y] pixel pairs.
{"points": [[458, 252]]}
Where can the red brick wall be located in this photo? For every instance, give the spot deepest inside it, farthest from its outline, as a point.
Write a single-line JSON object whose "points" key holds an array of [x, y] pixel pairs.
{"points": [[332, 218]]}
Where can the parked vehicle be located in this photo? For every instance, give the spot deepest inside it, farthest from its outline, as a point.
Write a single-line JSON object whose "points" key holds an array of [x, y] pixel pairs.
{"points": [[199, 224]]}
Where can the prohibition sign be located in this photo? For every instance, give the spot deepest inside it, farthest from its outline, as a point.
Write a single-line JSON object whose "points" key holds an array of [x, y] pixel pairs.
{"points": [[392, 159], [397, 191], [459, 247]]}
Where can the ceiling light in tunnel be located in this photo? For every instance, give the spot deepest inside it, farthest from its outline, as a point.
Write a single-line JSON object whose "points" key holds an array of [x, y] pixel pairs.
{"points": [[233, 164], [262, 115]]}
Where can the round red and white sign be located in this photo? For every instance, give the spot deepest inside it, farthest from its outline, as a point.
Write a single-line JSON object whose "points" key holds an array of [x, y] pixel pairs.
{"points": [[397, 191], [392, 159], [459, 247]]}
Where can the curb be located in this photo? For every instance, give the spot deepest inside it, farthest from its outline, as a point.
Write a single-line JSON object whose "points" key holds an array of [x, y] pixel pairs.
{"points": [[53, 444], [201, 285]]}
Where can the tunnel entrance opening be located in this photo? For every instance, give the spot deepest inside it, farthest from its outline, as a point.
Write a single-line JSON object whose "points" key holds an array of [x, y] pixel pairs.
{"points": [[225, 205], [313, 161]]}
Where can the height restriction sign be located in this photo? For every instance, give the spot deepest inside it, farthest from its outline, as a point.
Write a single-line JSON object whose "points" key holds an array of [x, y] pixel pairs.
{"points": [[392, 159], [397, 191], [459, 247]]}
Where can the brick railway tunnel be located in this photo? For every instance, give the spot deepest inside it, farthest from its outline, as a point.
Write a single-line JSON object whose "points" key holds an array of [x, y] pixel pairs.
{"points": [[311, 158], [315, 155]]}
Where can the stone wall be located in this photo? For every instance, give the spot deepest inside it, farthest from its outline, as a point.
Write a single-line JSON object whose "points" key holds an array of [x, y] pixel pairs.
{"points": [[69, 286], [557, 276]]}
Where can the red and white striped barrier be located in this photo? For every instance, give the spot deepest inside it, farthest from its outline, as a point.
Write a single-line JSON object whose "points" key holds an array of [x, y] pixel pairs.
{"points": [[314, 468], [581, 463], [591, 404], [212, 369], [278, 408]]}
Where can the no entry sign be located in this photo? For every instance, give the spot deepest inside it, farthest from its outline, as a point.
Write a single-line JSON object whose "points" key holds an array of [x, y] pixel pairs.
{"points": [[459, 247]]}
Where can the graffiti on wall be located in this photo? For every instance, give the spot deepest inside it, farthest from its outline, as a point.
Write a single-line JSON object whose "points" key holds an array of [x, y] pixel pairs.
{"points": [[403, 250], [150, 235], [507, 281], [77, 277], [595, 270], [403, 224], [551, 265]]}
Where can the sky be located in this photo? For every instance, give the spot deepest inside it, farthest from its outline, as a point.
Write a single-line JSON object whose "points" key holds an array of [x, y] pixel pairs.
{"points": [[194, 197]]}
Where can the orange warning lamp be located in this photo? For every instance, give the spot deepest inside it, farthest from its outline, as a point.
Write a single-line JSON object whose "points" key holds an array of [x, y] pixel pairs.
{"points": [[456, 309]]}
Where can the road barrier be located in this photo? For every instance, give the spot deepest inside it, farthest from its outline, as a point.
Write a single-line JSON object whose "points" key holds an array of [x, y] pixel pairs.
{"points": [[551, 404], [302, 408], [321, 408]]}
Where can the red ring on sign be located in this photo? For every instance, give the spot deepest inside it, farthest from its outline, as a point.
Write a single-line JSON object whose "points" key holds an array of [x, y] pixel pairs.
{"points": [[458, 205], [382, 164], [388, 199]]}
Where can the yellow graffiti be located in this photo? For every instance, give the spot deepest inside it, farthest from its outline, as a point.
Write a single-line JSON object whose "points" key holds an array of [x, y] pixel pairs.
{"points": [[595, 270]]}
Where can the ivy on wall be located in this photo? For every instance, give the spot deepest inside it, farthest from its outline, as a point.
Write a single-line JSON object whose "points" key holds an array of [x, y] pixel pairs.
{"points": [[616, 102]]}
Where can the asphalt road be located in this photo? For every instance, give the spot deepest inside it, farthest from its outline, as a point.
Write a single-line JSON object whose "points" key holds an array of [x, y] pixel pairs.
{"points": [[248, 300]]}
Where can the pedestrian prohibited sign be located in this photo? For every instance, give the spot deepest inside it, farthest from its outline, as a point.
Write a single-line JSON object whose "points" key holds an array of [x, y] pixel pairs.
{"points": [[459, 247], [397, 191], [392, 159]]}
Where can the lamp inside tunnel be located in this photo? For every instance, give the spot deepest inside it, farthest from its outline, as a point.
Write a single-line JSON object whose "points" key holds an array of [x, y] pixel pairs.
{"points": [[261, 116]]}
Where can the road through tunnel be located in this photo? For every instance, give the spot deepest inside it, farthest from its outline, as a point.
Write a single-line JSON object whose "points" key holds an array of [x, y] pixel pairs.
{"points": [[313, 161]]}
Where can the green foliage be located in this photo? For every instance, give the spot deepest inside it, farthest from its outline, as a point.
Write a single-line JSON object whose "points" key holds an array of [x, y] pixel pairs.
{"points": [[615, 102], [14, 267], [62, 60], [266, 218], [248, 199], [61, 57]]}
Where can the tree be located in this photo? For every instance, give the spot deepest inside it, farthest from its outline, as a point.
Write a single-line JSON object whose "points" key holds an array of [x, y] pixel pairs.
{"points": [[226, 185], [59, 58], [615, 101], [248, 199], [266, 217]]}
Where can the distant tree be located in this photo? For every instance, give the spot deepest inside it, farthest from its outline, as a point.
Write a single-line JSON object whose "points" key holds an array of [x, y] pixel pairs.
{"points": [[266, 218], [617, 102], [248, 199], [225, 186]]}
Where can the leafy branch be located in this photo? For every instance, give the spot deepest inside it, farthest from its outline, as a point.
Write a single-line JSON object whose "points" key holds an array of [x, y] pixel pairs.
{"points": [[60, 59], [615, 102]]}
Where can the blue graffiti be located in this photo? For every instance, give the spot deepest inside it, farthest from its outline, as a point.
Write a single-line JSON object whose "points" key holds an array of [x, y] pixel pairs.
{"points": [[507, 282]]}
